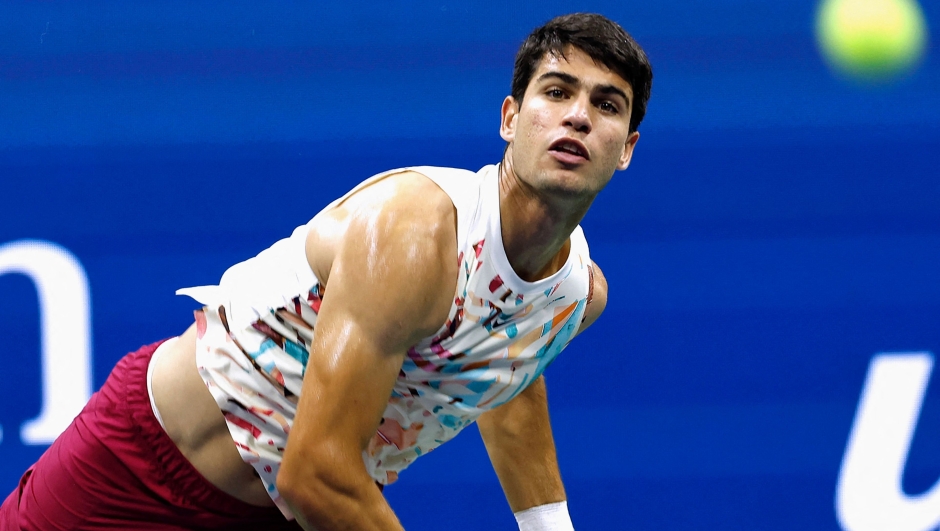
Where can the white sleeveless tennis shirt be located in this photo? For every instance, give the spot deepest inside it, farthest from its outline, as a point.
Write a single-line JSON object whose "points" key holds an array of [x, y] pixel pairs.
{"points": [[501, 333]]}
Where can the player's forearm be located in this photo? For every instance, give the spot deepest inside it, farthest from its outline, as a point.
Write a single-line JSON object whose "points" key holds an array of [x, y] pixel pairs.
{"points": [[320, 505], [527, 482], [518, 439]]}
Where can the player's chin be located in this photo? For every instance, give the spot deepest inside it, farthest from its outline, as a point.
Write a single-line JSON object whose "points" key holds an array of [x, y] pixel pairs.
{"points": [[587, 177], [572, 185]]}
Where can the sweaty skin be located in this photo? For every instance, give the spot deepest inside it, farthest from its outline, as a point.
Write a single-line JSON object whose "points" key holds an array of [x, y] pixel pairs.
{"points": [[376, 235], [366, 252], [545, 192]]}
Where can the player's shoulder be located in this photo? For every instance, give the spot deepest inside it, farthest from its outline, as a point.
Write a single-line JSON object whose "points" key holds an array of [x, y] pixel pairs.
{"points": [[408, 215], [410, 203], [397, 238], [438, 173], [597, 297], [404, 194], [415, 189], [397, 197], [402, 212], [598, 286]]}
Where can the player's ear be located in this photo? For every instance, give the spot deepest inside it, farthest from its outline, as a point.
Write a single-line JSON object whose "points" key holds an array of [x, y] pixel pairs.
{"points": [[507, 124], [628, 150]]}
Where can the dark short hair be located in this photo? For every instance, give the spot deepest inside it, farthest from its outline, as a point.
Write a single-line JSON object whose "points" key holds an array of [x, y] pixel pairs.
{"points": [[599, 37]]}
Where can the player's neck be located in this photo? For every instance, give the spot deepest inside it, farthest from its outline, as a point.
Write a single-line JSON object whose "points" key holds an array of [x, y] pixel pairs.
{"points": [[535, 228]]}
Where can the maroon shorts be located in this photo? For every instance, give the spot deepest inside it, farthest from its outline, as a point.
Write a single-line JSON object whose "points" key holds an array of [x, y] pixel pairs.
{"points": [[115, 468]]}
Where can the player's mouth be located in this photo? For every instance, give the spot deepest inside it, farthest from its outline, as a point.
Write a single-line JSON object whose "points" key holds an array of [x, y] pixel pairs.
{"points": [[569, 151]]}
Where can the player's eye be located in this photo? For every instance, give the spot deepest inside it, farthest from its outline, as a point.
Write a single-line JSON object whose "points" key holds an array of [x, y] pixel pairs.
{"points": [[555, 93], [607, 106]]}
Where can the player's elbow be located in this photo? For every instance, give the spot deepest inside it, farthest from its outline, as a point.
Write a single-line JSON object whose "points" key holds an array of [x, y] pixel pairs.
{"points": [[315, 486], [303, 494]]}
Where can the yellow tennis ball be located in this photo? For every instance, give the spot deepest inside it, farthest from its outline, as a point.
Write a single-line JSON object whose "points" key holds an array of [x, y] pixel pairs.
{"points": [[872, 39]]}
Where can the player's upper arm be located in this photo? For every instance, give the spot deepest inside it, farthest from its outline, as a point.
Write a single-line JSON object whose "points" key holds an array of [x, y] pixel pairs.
{"points": [[597, 300], [391, 278]]}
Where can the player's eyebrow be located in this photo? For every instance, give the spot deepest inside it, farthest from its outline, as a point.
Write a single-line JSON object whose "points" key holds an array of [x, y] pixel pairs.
{"points": [[561, 76], [610, 89], [572, 80]]}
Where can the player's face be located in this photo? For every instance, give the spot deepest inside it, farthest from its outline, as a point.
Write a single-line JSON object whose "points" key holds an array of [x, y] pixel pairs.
{"points": [[571, 131]]}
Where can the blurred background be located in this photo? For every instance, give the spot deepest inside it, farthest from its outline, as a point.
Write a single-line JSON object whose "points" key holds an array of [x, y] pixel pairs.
{"points": [[778, 229]]}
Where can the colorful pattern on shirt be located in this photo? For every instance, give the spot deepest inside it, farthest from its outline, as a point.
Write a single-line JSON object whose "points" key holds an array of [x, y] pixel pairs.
{"points": [[500, 335]]}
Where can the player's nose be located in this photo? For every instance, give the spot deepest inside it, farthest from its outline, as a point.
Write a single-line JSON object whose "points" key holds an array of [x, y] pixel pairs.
{"points": [[578, 115]]}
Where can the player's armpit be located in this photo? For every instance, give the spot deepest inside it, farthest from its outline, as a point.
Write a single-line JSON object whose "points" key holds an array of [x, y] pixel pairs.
{"points": [[518, 439], [391, 283], [597, 298]]}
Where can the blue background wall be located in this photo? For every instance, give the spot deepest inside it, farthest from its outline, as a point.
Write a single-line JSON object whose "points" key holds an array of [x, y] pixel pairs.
{"points": [[779, 226]]}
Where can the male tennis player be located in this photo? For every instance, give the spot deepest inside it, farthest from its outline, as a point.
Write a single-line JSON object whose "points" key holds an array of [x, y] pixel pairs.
{"points": [[420, 302]]}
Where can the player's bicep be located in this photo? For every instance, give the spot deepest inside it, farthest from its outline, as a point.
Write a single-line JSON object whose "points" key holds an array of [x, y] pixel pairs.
{"points": [[388, 288]]}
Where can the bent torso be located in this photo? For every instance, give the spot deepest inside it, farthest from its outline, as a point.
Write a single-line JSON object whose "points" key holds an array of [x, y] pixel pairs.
{"points": [[190, 414], [194, 422]]}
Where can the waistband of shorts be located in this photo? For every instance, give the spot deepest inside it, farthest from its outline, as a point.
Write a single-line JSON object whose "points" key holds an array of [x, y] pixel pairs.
{"points": [[168, 463]]}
